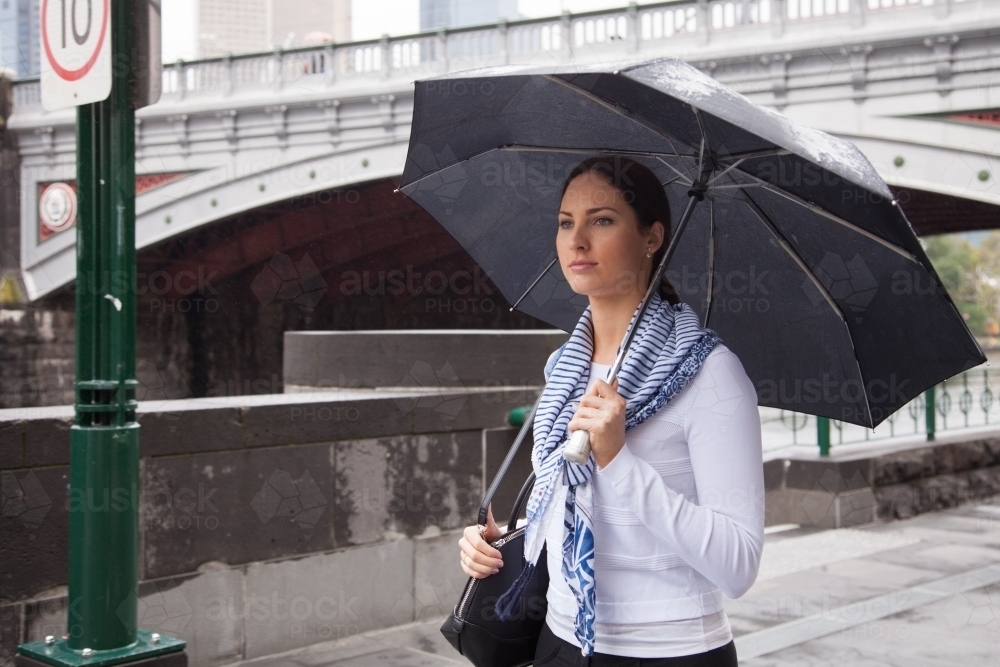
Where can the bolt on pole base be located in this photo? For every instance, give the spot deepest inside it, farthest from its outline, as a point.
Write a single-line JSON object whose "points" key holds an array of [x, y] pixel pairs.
{"points": [[149, 650]]}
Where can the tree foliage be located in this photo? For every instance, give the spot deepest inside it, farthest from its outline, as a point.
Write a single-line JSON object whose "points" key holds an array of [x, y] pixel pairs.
{"points": [[971, 274]]}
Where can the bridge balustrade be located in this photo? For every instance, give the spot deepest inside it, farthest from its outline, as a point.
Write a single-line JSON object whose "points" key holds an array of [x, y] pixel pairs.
{"points": [[563, 38]]}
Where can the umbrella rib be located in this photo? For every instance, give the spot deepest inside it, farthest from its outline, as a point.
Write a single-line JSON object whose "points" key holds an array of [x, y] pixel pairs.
{"points": [[750, 155], [674, 149], [711, 260], [525, 148], [522, 148], [815, 208], [534, 282], [787, 247], [612, 108], [735, 186], [685, 176], [441, 169], [704, 138], [725, 171], [715, 194], [550, 149], [764, 218]]}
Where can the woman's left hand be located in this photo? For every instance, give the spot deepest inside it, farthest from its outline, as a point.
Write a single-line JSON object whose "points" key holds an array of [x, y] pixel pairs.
{"points": [[602, 413]]}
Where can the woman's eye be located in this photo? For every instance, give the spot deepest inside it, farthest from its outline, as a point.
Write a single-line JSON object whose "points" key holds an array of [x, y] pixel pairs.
{"points": [[603, 221], [565, 224]]}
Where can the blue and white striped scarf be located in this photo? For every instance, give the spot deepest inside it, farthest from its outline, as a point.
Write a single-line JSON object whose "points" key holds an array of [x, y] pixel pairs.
{"points": [[668, 350]]}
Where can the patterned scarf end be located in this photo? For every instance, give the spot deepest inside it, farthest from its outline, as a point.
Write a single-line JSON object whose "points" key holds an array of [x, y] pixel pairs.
{"points": [[507, 604]]}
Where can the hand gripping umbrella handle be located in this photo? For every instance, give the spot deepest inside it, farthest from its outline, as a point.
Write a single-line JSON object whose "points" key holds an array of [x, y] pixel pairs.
{"points": [[577, 449]]}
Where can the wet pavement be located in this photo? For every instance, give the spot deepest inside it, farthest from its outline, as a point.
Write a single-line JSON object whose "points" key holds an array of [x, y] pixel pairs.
{"points": [[923, 592]]}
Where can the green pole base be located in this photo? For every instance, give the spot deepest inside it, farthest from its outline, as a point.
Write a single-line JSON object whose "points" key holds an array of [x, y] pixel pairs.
{"points": [[103, 506], [58, 653]]}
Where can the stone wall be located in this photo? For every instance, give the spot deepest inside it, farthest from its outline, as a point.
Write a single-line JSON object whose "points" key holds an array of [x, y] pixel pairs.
{"points": [[934, 478], [315, 360], [267, 522], [36, 353], [851, 490]]}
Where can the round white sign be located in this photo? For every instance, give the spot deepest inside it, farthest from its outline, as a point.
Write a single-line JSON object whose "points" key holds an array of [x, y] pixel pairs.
{"points": [[57, 207], [76, 52]]}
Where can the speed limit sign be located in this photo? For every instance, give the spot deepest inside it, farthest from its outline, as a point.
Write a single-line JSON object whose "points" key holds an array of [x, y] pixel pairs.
{"points": [[76, 52]]}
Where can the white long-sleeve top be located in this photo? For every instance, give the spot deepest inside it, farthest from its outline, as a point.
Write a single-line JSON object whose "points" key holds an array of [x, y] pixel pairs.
{"points": [[678, 521]]}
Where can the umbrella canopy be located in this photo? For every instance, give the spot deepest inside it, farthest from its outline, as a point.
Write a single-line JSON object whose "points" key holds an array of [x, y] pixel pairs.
{"points": [[798, 257]]}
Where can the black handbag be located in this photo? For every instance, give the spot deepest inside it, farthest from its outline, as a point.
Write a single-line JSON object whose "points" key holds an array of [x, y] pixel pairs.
{"points": [[473, 627]]}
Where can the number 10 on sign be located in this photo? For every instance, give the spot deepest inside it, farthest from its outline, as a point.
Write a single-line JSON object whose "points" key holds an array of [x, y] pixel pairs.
{"points": [[76, 52]]}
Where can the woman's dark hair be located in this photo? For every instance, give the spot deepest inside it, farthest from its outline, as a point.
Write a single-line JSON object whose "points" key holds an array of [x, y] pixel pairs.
{"points": [[641, 190]]}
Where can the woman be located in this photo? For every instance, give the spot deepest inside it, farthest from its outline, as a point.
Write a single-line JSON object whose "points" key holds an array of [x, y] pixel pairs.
{"points": [[668, 516]]}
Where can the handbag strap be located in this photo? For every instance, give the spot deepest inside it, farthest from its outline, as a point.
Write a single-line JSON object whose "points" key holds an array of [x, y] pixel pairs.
{"points": [[484, 508], [522, 498]]}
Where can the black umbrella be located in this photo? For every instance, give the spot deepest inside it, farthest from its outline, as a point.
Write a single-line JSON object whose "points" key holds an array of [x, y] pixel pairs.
{"points": [[790, 246]]}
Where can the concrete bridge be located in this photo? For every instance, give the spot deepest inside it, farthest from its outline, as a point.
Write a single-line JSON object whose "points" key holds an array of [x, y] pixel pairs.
{"points": [[916, 85]]}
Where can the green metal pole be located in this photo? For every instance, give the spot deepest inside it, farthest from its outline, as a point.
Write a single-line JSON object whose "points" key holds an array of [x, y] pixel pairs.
{"points": [[823, 435], [929, 412], [104, 449], [103, 499]]}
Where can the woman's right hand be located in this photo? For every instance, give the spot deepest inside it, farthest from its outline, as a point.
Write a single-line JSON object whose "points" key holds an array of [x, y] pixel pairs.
{"points": [[478, 558]]}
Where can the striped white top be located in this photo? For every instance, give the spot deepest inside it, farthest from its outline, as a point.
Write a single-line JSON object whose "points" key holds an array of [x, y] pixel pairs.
{"points": [[678, 521]]}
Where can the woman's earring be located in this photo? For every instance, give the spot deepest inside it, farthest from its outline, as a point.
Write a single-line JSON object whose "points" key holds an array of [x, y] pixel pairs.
{"points": [[649, 254]]}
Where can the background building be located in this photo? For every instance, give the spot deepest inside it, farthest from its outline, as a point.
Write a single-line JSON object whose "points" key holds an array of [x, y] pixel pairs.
{"points": [[456, 13], [248, 26], [300, 22], [233, 26], [19, 40]]}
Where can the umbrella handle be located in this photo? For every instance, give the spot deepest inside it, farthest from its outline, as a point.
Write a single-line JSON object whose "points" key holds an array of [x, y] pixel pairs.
{"points": [[577, 449]]}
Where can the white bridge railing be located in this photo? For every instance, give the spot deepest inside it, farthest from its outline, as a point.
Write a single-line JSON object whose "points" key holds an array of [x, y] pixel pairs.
{"points": [[615, 32]]}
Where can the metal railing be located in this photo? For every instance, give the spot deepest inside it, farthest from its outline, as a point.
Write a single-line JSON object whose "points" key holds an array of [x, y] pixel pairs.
{"points": [[968, 400], [447, 50]]}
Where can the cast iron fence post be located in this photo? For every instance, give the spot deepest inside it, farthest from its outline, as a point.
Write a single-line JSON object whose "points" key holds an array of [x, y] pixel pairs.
{"points": [[823, 435], [929, 410]]}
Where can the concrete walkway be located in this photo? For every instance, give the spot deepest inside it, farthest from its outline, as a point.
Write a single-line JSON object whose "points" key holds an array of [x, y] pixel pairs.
{"points": [[924, 592]]}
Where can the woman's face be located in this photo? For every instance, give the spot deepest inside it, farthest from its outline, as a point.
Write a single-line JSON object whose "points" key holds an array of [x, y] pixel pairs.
{"points": [[602, 250]]}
